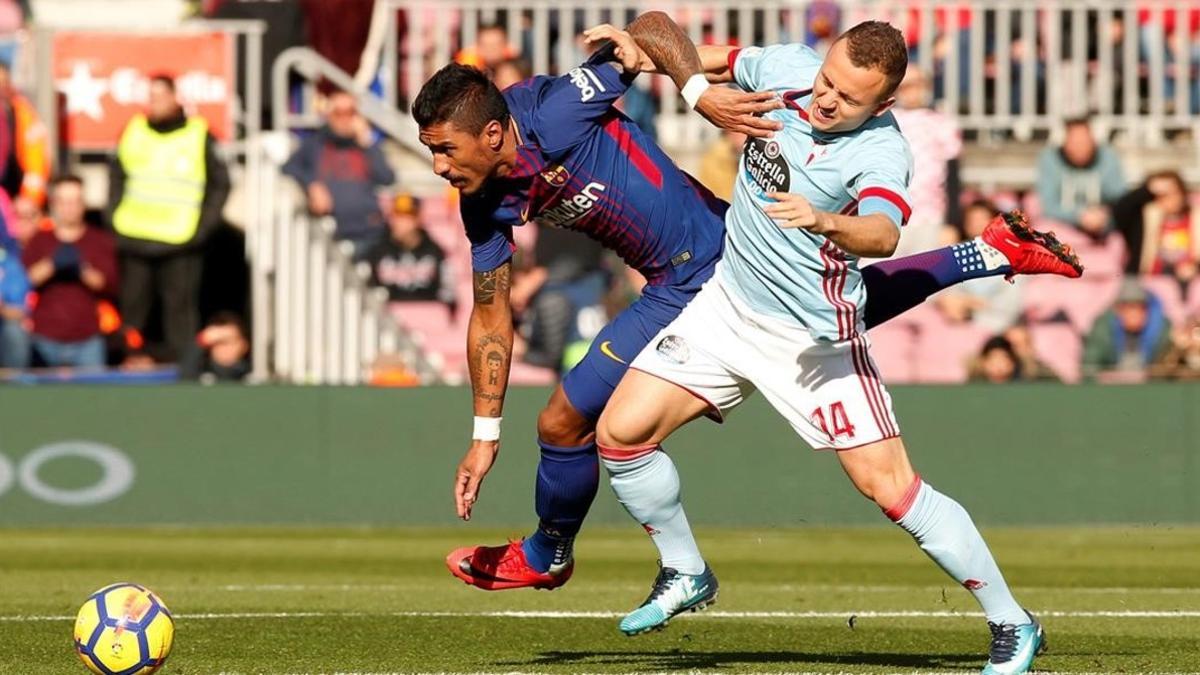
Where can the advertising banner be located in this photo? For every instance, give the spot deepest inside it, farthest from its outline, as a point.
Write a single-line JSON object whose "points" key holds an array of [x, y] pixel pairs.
{"points": [[1013, 455], [104, 79]]}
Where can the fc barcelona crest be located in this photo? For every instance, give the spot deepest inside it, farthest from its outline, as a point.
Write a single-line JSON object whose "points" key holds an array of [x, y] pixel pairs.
{"points": [[556, 176]]}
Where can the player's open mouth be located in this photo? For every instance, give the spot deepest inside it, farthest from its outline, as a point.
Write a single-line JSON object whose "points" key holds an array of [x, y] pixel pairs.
{"points": [[821, 114]]}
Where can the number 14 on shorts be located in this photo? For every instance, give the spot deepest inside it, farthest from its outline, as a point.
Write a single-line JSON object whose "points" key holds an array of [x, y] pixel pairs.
{"points": [[837, 417]]}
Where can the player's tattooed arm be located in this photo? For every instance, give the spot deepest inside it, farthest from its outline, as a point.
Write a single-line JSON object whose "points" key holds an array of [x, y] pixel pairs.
{"points": [[668, 47], [490, 340], [665, 43], [489, 354]]}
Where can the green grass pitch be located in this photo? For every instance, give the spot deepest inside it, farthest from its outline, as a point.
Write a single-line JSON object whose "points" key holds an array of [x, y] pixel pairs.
{"points": [[380, 601]]}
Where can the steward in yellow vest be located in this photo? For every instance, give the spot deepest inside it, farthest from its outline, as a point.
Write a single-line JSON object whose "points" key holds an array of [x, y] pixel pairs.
{"points": [[167, 187], [162, 196]]}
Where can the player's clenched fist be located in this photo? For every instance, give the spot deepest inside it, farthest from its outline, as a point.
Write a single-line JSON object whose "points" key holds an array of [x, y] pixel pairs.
{"points": [[471, 470], [793, 211]]}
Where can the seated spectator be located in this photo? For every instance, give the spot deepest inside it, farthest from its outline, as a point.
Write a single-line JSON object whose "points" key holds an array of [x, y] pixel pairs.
{"points": [[991, 303], [221, 352], [407, 262], [997, 363], [823, 20], [1032, 368], [491, 48], [1078, 181], [1009, 358], [511, 71], [1129, 338], [719, 164], [1162, 233], [28, 220], [340, 167], [72, 268], [1182, 360], [14, 290]]}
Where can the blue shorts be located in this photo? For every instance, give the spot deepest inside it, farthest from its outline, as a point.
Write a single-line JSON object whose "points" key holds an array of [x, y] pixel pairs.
{"points": [[591, 382]]}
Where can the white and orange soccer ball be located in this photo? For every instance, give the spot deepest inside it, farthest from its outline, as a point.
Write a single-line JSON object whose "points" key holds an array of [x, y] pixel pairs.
{"points": [[123, 629]]}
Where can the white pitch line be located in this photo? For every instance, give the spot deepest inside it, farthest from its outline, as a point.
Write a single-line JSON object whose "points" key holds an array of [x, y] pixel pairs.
{"points": [[1122, 614], [835, 588]]}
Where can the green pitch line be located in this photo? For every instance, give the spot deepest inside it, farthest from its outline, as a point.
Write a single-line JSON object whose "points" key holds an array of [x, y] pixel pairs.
{"points": [[380, 601]]}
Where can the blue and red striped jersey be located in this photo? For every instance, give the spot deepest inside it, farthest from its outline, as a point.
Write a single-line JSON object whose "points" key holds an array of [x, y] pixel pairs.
{"points": [[583, 166]]}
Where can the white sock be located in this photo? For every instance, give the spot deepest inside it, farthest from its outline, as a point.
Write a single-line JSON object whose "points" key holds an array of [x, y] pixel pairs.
{"points": [[990, 256], [647, 485], [945, 532]]}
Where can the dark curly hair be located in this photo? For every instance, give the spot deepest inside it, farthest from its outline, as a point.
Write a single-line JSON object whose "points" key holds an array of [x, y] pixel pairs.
{"points": [[461, 95]]}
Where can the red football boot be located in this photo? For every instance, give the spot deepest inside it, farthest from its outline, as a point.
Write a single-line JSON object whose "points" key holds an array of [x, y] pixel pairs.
{"points": [[497, 568], [1029, 251]]}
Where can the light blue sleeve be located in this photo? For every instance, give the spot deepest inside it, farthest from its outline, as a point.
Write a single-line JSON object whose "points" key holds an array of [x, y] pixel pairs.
{"points": [[1049, 187], [877, 174], [788, 66], [1112, 177]]}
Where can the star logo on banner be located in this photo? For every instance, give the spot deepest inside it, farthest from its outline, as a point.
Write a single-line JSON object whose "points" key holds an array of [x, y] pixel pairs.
{"points": [[83, 91]]}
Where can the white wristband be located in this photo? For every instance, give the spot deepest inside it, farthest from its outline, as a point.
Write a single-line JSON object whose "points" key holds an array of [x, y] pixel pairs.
{"points": [[486, 428], [693, 88]]}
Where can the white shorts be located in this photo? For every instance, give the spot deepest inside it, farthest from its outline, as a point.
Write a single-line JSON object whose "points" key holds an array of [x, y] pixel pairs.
{"points": [[722, 351]]}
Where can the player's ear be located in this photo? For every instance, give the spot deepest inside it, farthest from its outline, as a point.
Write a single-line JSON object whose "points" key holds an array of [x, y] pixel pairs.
{"points": [[884, 106], [493, 135]]}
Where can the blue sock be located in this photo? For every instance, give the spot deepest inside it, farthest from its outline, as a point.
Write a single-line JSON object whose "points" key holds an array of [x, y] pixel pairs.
{"points": [[567, 480], [896, 286]]}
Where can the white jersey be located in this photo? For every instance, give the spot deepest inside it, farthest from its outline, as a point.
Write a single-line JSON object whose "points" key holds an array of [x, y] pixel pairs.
{"points": [[792, 274]]}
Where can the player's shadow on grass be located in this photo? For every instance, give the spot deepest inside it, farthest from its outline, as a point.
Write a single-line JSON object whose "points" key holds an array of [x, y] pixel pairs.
{"points": [[695, 660]]}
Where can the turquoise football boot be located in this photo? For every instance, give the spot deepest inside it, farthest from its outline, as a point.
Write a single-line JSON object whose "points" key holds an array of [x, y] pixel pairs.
{"points": [[672, 594], [1014, 647]]}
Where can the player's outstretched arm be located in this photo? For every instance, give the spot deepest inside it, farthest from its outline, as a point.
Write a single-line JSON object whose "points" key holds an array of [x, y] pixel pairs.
{"points": [[870, 236], [489, 357], [667, 47]]}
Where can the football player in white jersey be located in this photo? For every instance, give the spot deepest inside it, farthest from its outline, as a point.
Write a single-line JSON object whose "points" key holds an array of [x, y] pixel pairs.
{"points": [[783, 314]]}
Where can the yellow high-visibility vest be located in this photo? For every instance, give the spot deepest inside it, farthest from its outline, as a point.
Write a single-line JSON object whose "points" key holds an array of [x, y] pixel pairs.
{"points": [[164, 181]]}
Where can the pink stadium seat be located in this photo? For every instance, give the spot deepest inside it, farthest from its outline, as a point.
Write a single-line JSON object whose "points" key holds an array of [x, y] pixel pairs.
{"points": [[1105, 259], [1192, 302], [527, 375], [1168, 292], [922, 318], [942, 354], [1032, 206], [440, 336], [1060, 347], [892, 346], [1079, 300], [422, 317]]}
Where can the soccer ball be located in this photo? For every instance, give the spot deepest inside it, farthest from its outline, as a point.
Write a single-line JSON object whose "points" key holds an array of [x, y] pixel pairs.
{"points": [[123, 629]]}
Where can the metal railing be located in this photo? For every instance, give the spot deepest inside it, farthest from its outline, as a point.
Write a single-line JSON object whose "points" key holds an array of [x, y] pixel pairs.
{"points": [[317, 319], [1006, 68]]}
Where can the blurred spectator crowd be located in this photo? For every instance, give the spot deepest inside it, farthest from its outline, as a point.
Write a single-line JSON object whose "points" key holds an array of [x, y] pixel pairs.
{"points": [[120, 288], [1135, 314]]}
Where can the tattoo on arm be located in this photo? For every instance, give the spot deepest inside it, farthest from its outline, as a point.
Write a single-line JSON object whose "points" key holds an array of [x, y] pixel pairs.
{"points": [[667, 46], [489, 367], [488, 284], [495, 359]]}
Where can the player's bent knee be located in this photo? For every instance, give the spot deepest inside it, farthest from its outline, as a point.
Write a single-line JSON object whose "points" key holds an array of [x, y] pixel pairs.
{"points": [[622, 428], [560, 424], [880, 471]]}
